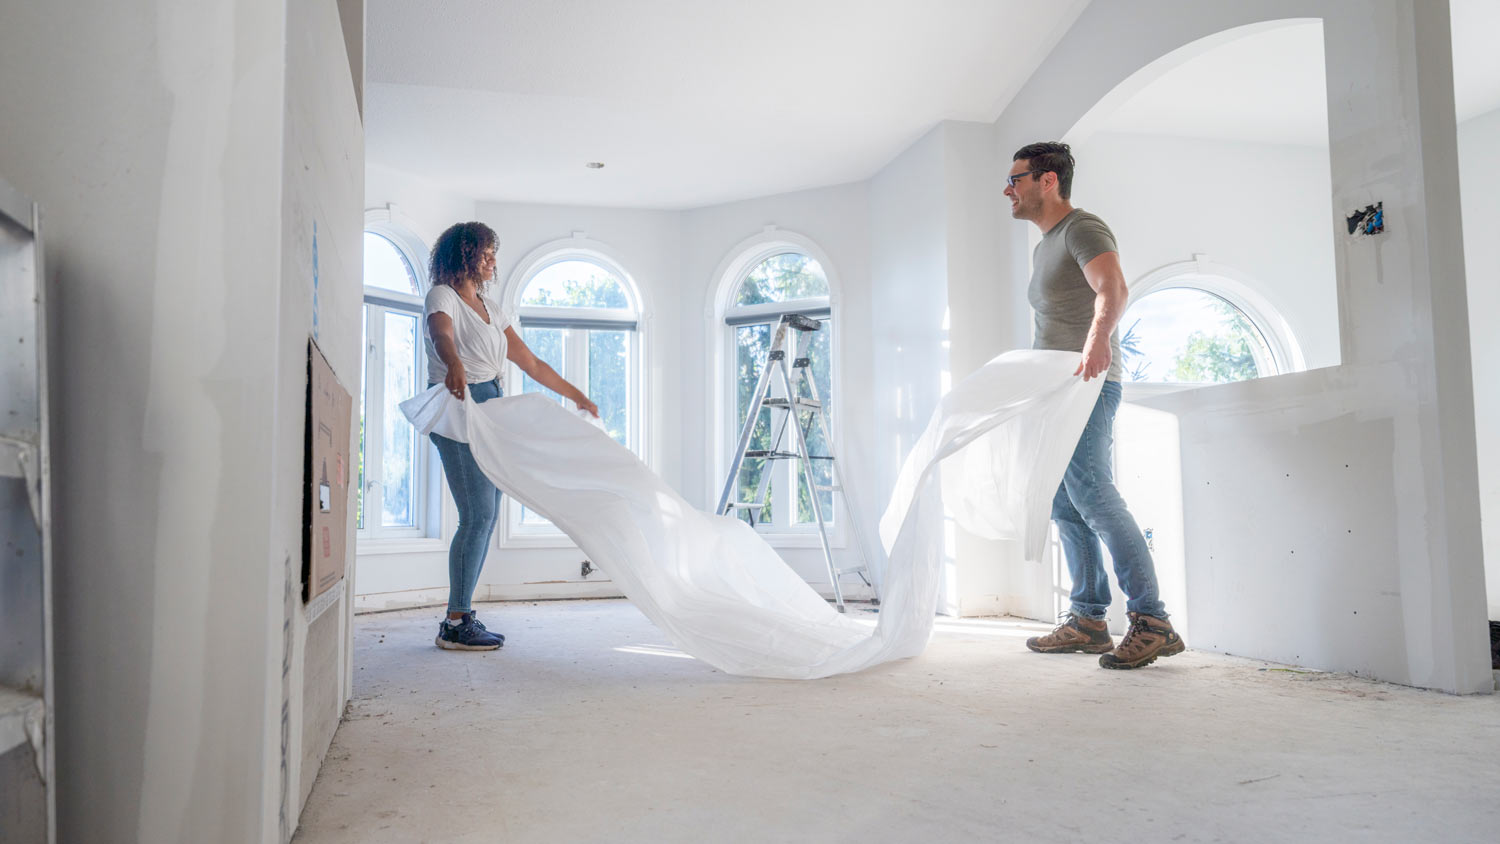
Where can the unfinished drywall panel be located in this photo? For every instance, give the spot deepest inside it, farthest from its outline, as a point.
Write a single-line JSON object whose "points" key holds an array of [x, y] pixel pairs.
{"points": [[322, 690], [150, 135], [1404, 351], [1479, 184], [321, 295], [352, 20]]}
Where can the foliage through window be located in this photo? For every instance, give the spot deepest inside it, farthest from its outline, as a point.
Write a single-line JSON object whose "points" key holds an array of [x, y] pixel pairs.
{"points": [[391, 500], [1188, 335], [581, 318], [787, 282]]}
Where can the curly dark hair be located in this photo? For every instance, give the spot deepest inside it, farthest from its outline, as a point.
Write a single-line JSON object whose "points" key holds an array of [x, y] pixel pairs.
{"points": [[458, 252], [1050, 157]]}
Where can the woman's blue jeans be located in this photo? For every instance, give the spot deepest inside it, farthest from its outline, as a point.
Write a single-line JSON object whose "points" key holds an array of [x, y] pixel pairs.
{"points": [[478, 509], [1088, 508]]}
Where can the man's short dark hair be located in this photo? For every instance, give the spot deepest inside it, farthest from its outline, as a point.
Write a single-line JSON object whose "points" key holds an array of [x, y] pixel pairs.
{"points": [[1050, 157]]}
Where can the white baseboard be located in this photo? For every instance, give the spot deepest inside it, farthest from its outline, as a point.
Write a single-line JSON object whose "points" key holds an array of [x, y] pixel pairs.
{"points": [[553, 591]]}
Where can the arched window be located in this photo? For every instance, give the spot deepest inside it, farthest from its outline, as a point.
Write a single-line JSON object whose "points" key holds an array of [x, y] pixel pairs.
{"points": [[394, 489], [1190, 324], [764, 283], [580, 312]]}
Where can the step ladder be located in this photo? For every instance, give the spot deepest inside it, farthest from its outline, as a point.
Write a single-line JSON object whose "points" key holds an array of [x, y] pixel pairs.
{"points": [[793, 413]]}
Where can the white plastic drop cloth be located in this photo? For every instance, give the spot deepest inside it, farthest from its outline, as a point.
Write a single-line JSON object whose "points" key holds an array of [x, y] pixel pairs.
{"points": [[1003, 436]]}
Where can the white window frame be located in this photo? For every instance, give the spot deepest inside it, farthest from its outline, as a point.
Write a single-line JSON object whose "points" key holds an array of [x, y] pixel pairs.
{"points": [[514, 533], [1241, 292], [742, 259], [426, 481]]}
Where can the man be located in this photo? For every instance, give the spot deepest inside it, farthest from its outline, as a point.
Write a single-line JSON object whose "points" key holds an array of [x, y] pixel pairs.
{"points": [[1078, 293]]}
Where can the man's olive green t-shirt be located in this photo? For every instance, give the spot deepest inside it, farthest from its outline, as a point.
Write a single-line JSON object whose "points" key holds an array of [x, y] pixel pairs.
{"points": [[1060, 295]]}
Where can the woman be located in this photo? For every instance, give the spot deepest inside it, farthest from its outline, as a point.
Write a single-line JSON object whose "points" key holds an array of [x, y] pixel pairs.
{"points": [[469, 339]]}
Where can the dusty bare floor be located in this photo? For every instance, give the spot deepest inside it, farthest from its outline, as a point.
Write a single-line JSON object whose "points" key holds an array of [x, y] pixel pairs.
{"points": [[589, 726]]}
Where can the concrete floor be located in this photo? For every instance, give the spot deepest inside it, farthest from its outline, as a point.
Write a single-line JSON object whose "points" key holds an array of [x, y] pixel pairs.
{"points": [[589, 726]]}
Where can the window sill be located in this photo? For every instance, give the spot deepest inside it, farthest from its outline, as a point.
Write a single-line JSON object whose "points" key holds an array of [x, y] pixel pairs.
{"points": [[801, 539], [537, 540], [377, 547], [780, 539]]}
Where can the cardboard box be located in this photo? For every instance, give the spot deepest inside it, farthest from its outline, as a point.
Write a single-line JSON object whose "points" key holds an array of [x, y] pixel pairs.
{"points": [[326, 470]]}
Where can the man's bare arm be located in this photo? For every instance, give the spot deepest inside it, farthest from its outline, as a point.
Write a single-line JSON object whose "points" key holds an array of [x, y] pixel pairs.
{"points": [[1108, 280]]}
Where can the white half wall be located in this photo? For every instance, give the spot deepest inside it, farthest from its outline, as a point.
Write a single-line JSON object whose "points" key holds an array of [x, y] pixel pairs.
{"points": [[1479, 184]]}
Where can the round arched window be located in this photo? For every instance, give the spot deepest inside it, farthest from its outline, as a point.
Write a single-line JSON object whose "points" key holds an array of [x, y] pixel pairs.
{"points": [[387, 267], [580, 314], [1185, 335], [782, 278], [393, 491], [575, 284], [782, 282]]}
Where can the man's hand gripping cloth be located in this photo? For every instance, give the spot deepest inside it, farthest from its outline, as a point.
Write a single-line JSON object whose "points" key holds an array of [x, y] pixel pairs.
{"points": [[1003, 437]]}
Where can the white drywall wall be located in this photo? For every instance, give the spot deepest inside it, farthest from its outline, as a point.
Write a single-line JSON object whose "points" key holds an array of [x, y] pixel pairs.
{"points": [[909, 298], [1259, 208], [1398, 410], [152, 135], [417, 204], [321, 296], [1479, 184]]}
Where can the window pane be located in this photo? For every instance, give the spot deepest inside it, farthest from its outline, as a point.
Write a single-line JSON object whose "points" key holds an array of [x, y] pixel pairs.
{"points": [[576, 284], [398, 460], [752, 342], [820, 369], [386, 267], [364, 357], [1186, 335], [609, 381], [782, 278], [547, 344]]}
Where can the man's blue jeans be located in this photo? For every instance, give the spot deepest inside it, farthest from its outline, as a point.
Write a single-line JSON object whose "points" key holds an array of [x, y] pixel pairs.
{"points": [[478, 509], [1088, 508]]}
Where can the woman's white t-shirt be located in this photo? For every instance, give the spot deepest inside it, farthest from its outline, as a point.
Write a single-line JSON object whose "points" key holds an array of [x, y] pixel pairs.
{"points": [[481, 345]]}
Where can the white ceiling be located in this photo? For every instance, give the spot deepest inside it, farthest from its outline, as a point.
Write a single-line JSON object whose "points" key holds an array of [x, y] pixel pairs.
{"points": [[687, 102], [1268, 87]]}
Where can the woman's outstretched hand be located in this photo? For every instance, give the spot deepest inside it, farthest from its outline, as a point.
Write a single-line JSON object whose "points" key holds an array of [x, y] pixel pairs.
{"points": [[455, 381]]}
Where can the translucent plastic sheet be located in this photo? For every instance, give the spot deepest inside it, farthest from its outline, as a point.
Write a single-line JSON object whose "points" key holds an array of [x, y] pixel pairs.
{"points": [[714, 586]]}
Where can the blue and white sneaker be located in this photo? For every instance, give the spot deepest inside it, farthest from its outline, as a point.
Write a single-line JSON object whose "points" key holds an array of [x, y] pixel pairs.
{"points": [[467, 635], [480, 625]]}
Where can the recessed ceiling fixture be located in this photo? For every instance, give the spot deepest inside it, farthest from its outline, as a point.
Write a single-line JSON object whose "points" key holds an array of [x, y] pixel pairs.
{"points": [[595, 165]]}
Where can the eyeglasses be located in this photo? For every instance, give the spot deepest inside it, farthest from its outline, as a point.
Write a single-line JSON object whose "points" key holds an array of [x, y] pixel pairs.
{"points": [[1016, 177]]}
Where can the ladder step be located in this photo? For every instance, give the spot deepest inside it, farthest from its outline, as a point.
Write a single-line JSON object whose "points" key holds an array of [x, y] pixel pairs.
{"points": [[774, 455], [823, 488], [807, 404], [854, 570], [745, 505]]}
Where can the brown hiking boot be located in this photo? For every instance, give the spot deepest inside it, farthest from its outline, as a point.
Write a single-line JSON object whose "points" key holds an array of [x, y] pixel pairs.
{"points": [[1147, 639], [1075, 634]]}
